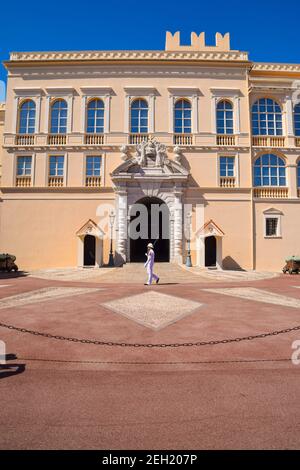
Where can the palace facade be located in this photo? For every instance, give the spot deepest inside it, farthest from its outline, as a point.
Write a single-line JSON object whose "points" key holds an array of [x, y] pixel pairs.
{"points": [[201, 130]]}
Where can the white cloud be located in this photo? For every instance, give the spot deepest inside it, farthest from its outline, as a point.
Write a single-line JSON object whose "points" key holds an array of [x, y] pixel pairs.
{"points": [[2, 91]]}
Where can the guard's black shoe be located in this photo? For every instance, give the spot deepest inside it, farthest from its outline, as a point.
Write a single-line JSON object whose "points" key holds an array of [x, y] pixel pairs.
{"points": [[157, 281]]}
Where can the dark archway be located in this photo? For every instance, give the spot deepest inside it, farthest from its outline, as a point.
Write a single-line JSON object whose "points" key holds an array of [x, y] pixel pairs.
{"points": [[89, 250], [210, 251], [157, 230]]}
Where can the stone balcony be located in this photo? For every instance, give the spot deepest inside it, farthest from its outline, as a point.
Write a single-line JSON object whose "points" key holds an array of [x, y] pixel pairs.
{"points": [[225, 140], [134, 139], [23, 181], [271, 192], [268, 141], [93, 181], [24, 140], [227, 181], [113, 139], [183, 139], [57, 139], [55, 181], [94, 139]]}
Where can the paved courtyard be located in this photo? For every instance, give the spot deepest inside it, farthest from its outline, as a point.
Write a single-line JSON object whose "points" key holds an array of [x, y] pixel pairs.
{"points": [[69, 394]]}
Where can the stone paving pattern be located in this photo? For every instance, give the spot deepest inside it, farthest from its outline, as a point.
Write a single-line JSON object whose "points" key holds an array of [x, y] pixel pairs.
{"points": [[67, 395]]}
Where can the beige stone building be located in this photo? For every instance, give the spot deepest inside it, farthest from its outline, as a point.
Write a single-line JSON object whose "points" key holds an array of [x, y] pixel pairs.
{"points": [[210, 135], [2, 116]]}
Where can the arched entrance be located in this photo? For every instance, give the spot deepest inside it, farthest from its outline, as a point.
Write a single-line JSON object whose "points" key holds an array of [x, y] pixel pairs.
{"points": [[210, 251], [89, 257], [155, 230]]}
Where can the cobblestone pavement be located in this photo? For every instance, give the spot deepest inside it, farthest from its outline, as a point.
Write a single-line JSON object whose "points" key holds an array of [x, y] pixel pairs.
{"points": [[62, 394], [136, 273]]}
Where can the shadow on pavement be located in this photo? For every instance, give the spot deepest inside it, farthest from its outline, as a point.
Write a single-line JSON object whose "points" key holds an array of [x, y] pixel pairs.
{"points": [[12, 274], [8, 370]]}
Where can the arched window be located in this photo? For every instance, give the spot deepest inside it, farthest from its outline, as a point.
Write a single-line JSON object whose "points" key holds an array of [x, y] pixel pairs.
{"points": [[269, 170], [183, 117], [95, 116], [27, 117], [266, 117], [59, 113], [139, 116], [298, 174], [224, 117], [297, 119]]}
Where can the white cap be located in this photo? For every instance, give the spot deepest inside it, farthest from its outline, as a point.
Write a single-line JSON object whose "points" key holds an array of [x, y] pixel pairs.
{"points": [[150, 245]]}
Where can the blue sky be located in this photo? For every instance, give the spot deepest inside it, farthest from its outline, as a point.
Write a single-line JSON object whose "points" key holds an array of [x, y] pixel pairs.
{"points": [[268, 30]]}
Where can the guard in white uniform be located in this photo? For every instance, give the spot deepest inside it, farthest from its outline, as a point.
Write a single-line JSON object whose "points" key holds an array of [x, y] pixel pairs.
{"points": [[149, 265]]}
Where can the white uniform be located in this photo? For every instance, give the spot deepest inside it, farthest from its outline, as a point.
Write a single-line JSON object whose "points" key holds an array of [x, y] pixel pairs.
{"points": [[149, 265]]}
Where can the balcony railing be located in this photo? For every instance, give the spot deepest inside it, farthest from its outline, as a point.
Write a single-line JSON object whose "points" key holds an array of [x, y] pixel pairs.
{"points": [[271, 192], [24, 139], [137, 138], [94, 139], [55, 181], [225, 140], [297, 141], [23, 181], [183, 139], [57, 139], [268, 141], [227, 181], [93, 181]]}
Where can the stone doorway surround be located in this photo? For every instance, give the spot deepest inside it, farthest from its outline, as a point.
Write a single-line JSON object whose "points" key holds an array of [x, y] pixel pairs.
{"points": [[149, 173], [209, 229], [90, 228]]}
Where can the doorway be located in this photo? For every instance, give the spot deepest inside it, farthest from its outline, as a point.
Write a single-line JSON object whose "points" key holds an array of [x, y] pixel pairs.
{"points": [[89, 257], [210, 251], [157, 230]]}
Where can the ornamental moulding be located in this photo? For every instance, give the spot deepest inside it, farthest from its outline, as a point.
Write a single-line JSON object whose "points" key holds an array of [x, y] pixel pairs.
{"points": [[128, 55], [275, 67]]}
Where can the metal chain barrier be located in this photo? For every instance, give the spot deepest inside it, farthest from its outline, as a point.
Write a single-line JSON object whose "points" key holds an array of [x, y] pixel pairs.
{"points": [[150, 345]]}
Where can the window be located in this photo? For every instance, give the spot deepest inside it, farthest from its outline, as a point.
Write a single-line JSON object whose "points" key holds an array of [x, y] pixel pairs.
{"points": [[226, 166], [271, 226], [183, 117], [298, 174], [95, 116], [139, 117], [56, 165], [24, 166], [297, 120], [224, 117], [27, 117], [269, 170], [266, 117], [93, 166], [59, 113]]}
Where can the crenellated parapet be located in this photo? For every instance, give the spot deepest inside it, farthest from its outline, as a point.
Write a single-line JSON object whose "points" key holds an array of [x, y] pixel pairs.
{"points": [[197, 42]]}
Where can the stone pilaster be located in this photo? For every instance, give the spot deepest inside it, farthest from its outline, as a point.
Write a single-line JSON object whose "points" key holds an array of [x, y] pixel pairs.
{"points": [[178, 225], [121, 246], [292, 180]]}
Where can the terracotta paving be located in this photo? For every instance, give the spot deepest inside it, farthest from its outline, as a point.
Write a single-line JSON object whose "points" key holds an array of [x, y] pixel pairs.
{"points": [[59, 394]]}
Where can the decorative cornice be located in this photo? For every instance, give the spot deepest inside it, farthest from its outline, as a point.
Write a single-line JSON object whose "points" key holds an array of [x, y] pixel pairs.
{"points": [[225, 92], [141, 90], [97, 90], [57, 90], [128, 56], [28, 91], [275, 67], [184, 91]]}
